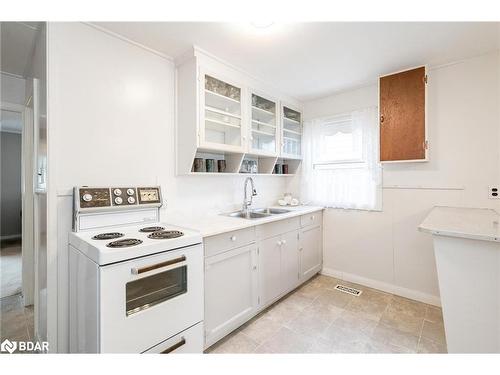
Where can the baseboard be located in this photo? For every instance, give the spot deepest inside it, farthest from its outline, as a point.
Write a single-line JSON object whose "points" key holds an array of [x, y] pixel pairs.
{"points": [[383, 286], [11, 237]]}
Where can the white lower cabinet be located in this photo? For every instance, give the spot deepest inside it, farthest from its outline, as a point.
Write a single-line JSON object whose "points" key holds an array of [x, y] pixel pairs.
{"points": [[270, 269], [279, 266], [242, 280], [290, 260], [231, 291], [310, 249]]}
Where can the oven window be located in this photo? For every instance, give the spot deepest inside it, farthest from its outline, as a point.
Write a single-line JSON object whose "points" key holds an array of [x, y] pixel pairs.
{"points": [[148, 291]]}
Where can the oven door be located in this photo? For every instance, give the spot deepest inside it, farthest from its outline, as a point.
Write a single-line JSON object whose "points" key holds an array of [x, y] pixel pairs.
{"points": [[147, 300]]}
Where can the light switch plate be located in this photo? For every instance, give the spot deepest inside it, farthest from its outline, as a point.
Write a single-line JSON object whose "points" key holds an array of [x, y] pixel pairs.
{"points": [[493, 192]]}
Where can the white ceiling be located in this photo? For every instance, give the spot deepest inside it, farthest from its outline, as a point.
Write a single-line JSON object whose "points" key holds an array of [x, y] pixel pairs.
{"points": [[17, 40], [311, 60]]}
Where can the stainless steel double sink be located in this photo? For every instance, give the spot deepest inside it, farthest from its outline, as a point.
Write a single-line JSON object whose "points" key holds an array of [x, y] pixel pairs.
{"points": [[258, 213]]}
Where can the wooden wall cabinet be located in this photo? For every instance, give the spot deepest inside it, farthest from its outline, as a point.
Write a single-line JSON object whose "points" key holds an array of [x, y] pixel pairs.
{"points": [[402, 116]]}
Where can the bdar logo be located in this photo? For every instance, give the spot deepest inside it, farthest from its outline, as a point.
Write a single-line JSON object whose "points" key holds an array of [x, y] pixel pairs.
{"points": [[8, 346]]}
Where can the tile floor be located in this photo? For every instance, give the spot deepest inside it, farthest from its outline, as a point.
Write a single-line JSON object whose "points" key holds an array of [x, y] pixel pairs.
{"points": [[315, 318], [16, 321]]}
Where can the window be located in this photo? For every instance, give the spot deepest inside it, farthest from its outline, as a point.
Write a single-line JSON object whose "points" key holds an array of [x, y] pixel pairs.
{"points": [[341, 166], [339, 142]]}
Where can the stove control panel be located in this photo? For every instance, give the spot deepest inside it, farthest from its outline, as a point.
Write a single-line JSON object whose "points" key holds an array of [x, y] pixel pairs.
{"points": [[121, 196], [114, 197]]}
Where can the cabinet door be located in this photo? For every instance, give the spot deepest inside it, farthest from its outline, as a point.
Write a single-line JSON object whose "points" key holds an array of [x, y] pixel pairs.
{"points": [[270, 269], [290, 260], [310, 251], [221, 117], [402, 116], [230, 291], [264, 129], [291, 142]]}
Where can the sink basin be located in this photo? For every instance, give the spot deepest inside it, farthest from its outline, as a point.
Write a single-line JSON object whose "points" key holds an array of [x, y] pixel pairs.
{"points": [[258, 213], [249, 215], [271, 211]]}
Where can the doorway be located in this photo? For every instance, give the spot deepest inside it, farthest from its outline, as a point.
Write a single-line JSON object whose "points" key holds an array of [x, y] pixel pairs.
{"points": [[22, 105]]}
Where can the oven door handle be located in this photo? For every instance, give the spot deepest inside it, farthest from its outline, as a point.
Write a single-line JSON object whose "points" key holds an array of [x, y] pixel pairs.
{"points": [[175, 346], [138, 271]]}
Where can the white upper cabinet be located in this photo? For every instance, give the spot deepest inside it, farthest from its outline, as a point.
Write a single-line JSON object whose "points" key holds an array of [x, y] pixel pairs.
{"points": [[291, 143], [222, 124], [264, 131], [224, 117]]}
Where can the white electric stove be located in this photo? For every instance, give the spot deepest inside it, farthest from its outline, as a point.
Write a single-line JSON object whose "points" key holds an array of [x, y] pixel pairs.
{"points": [[136, 284]]}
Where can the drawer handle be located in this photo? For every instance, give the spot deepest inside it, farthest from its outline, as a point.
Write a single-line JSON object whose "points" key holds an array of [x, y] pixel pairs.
{"points": [[279, 243], [233, 238], [137, 271], [174, 347], [283, 242]]}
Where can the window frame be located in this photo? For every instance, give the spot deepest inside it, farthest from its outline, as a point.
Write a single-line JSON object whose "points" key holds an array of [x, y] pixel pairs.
{"points": [[356, 163]]}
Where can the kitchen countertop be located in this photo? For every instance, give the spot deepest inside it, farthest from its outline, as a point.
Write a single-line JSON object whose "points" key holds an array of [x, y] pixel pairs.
{"points": [[212, 225], [472, 223]]}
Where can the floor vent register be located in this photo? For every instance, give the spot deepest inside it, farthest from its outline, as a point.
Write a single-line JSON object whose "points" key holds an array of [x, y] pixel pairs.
{"points": [[348, 290]]}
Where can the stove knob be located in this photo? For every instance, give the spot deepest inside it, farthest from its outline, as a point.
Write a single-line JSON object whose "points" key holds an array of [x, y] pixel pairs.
{"points": [[118, 200], [131, 200], [130, 191], [117, 192], [87, 197]]}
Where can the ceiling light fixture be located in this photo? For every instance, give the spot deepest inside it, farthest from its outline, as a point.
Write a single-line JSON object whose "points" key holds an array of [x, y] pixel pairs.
{"points": [[262, 24]]}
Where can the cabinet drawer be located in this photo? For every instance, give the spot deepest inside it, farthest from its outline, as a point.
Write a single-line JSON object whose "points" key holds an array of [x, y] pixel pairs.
{"points": [[188, 341], [278, 227], [314, 218], [227, 241]]}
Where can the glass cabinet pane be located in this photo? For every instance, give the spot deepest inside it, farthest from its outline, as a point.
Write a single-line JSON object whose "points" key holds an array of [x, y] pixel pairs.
{"points": [[148, 291], [263, 124], [222, 112], [292, 132]]}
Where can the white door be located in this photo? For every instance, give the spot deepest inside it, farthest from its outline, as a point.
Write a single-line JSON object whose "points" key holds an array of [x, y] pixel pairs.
{"points": [[310, 251], [290, 260], [230, 291], [270, 269]]}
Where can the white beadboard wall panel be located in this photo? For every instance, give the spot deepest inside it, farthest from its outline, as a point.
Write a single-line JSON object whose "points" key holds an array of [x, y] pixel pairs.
{"points": [[112, 123], [366, 252], [414, 263], [385, 249]]}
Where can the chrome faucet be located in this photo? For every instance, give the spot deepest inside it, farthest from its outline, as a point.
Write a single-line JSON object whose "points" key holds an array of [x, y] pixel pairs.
{"points": [[248, 202]]}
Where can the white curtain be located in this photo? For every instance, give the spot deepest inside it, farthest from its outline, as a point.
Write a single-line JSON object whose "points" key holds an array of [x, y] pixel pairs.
{"points": [[352, 184]]}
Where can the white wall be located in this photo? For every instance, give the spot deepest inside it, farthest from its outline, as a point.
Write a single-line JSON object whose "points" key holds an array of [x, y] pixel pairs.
{"points": [[384, 249], [111, 114], [12, 89], [10, 185]]}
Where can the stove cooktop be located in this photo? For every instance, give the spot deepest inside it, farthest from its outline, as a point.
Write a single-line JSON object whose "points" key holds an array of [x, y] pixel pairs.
{"points": [[121, 243]]}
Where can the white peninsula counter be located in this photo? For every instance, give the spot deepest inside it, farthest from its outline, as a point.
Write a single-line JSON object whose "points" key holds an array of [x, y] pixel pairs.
{"points": [[467, 251]]}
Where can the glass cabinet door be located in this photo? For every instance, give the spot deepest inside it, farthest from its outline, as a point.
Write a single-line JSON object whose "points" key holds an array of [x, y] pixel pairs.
{"points": [[292, 132], [264, 125], [222, 113]]}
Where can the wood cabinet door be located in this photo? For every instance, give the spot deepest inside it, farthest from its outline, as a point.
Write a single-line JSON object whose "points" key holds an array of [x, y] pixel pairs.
{"points": [[231, 291], [290, 260], [402, 116], [310, 251], [270, 269]]}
